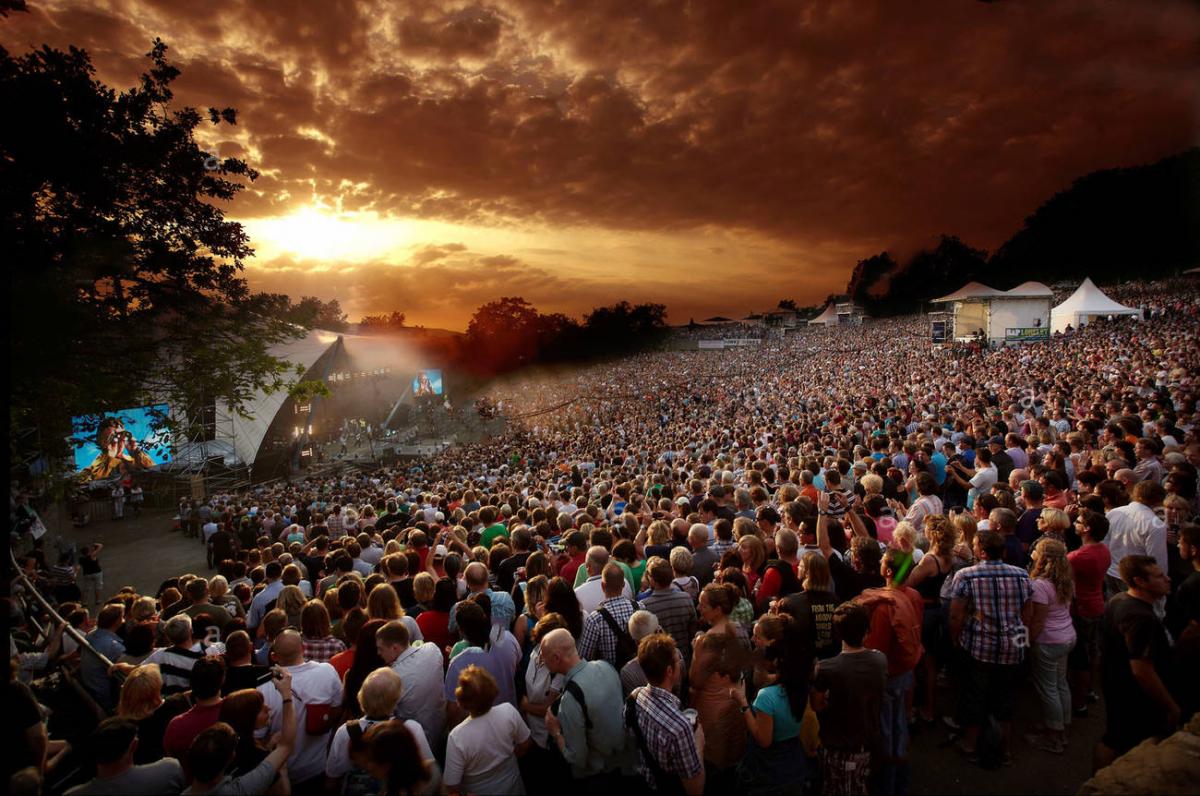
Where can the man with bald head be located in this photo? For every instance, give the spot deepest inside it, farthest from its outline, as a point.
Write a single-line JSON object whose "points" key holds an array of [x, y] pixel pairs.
{"points": [[590, 593], [585, 721], [317, 690], [504, 611]]}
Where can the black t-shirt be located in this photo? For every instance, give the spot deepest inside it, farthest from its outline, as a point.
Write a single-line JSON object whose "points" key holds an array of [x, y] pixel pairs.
{"points": [[854, 683], [404, 590], [1132, 631], [507, 570], [849, 582], [1184, 605], [23, 713], [813, 612], [152, 728], [240, 677], [222, 545]]}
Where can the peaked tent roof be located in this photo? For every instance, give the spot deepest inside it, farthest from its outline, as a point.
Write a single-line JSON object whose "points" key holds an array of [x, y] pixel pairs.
{"points": [[971, 290], [1031, 290], [1091, 300], [826, 317]]}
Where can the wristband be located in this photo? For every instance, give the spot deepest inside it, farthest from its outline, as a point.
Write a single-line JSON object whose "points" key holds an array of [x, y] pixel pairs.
{"points": [[289, 699]]}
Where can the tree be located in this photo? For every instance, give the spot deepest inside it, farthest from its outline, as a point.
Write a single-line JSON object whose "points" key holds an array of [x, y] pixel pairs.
{"points": [[866, 274], [126, 284], [371, 324], [503, 334], [788, 305]]}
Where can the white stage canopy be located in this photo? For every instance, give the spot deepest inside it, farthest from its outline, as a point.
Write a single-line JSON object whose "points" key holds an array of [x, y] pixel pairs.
{"points": [[1086, 303], [827, 318]]}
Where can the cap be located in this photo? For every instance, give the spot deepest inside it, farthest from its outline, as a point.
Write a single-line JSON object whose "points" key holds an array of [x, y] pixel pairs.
{"points": [[996, 440], [440, 517], [440, 551]]}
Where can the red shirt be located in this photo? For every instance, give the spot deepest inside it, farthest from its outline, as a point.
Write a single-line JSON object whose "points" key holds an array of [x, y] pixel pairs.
{"points": [[184, 728], [1089, 564], [342, 662], [435, 627], [569, 569], [770, 584]]}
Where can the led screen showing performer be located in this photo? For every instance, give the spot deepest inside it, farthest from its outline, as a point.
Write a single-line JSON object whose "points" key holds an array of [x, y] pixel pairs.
{"points": [[427, 382], [119, 443]]}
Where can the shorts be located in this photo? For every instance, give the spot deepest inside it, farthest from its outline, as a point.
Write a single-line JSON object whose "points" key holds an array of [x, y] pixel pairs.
{"points": [[845, 773], [1089, 639], [991, 690]]}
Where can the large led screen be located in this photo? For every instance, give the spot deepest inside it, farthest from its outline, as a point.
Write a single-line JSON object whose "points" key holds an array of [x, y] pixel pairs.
{"points": [[427, 382], [114, 444]]}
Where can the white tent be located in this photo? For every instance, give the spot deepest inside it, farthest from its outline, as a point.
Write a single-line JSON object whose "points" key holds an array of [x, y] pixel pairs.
{"points": [[971, 291], [1001, 316], [827, 318], [248, 432], [1030, 290], [1086, 303]]}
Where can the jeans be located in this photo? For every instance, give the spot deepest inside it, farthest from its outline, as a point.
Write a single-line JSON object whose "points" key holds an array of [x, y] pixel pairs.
{"points": [[1050, 680], [90, 587], [893, 730]]}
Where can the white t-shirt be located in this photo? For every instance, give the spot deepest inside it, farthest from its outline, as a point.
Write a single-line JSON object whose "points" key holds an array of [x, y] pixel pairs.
{"points": [[982, 482], [313, 683], [479, 752], [539, 683], [339, 764]]}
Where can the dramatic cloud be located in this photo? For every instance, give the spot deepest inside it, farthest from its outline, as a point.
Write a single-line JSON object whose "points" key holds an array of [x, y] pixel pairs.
{"points": [[826, 131]]}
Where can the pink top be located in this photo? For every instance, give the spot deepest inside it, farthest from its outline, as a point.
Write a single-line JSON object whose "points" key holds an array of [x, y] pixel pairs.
{"points": [[1058, 628]]}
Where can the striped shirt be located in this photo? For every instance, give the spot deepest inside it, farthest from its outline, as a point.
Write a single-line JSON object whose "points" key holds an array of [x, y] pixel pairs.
{"points": [[995, 593], [668, 734], [598, 641]]}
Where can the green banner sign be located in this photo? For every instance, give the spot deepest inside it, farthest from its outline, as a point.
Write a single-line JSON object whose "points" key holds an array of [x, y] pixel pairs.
{"points": [[1025, 334]]}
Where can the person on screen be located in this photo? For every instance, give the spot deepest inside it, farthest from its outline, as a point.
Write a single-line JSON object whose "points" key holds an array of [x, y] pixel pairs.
{"points": [[119, 452], [424, 386]]}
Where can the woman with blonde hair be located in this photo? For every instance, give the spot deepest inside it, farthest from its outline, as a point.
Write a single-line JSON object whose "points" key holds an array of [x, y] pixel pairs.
{"points": [[291, 601], [904, 539], [927, 578], [1052, 635], [383, 603], [965, 527], [1054, 522], [219, 594], [754, 556], [535, 606], [141, 701]]}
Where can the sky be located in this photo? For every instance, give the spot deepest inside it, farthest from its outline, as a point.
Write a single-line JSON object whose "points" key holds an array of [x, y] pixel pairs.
{"points": [[710, 155]]}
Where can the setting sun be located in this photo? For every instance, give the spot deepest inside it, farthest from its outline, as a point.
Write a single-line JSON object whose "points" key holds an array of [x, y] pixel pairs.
{"points": [[314, 233]]}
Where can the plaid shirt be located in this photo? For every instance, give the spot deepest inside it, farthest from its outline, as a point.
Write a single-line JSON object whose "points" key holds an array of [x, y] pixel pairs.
{"points": [[321, 650], [668, 733], [995, 593], [676, 613], [336, 526], [598, 641], [720, 548]]}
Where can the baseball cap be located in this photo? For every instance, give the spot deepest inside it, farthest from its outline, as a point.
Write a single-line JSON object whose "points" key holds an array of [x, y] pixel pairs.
{"points": [[996, 440], [440, 551]]}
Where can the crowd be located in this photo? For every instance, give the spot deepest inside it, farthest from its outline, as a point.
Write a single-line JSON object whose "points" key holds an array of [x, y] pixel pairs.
{"points": [[753, 569]]}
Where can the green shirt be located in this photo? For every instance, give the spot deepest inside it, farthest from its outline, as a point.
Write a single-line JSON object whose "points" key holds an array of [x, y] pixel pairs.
{"points": [[492, 533]]}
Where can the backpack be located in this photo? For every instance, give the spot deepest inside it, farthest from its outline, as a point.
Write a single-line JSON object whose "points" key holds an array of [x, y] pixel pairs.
{"points": [[626, 646], [906, 623], [788, 582]]}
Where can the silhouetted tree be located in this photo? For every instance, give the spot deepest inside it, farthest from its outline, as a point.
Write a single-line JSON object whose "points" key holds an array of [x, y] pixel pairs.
{"points": [[382, 323], [126, 283]]}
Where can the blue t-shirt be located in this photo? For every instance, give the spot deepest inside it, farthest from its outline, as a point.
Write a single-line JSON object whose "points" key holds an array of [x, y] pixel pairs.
{"points": [[499, 659], [938, 460], [773, 701]]}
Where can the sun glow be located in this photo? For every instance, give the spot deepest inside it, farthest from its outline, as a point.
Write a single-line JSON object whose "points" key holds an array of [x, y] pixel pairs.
{"points": [[313, 233]]}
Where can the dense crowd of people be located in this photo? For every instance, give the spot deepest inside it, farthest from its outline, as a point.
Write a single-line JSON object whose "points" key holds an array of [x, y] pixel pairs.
{"points": [[689, 571]]}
